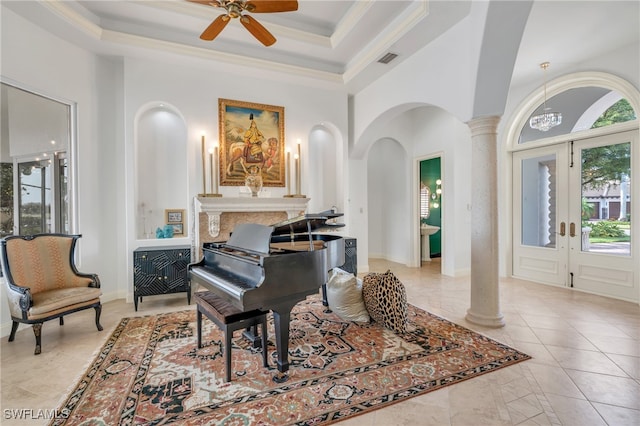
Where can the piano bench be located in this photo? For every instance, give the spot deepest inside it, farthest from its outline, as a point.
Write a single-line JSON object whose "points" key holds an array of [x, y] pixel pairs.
{"points": [[229, 319]]}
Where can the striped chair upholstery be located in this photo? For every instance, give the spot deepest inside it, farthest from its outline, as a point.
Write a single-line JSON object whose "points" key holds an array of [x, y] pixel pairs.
{"points": [[43, 282]]}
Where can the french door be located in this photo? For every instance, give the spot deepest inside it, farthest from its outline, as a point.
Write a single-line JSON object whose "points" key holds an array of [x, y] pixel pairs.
{"points": [[41, 202], [569, 198]]}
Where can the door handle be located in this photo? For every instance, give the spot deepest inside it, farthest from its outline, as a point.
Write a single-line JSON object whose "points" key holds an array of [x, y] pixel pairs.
{"points": [[562, 229], [572, 229]]}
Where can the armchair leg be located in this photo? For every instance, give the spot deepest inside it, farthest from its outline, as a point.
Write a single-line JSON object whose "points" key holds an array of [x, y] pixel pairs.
{"points": [[14, 328], [98, 312], [37, 330], [61, 321]]}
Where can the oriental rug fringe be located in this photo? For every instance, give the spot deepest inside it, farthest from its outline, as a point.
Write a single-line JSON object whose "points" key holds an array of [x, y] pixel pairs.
{"points": [[150, 371]]}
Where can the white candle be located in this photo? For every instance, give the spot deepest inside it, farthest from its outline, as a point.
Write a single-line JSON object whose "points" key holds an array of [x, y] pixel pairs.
{"points": [[288, 171], [215, 160], [211, 168], [297, 167], [204, 172]]}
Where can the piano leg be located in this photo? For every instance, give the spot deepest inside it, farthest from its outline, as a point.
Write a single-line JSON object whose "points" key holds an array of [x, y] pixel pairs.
{"points": [[325, 301], [281, 322]]}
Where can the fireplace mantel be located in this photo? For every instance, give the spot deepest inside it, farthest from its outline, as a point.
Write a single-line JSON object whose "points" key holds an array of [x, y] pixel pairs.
{"points": [[210, 212]]}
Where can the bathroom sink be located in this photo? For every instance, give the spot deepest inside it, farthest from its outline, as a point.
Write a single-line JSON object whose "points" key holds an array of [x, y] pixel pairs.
{"points": [[426, 229]]}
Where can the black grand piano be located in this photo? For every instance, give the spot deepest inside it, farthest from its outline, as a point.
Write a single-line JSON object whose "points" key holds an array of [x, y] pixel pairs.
{"points": [[272, 268]]}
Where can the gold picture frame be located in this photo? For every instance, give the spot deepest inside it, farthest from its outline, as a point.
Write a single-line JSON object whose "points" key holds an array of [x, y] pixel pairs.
{"points": [[251, 134], [174, 216]]}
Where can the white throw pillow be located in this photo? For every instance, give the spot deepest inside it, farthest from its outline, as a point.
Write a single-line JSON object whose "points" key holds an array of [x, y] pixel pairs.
{"points": [[344, 295]]}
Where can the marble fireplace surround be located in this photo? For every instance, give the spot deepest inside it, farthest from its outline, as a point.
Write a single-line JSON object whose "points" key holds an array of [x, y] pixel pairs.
{"points": [[215, 217]]}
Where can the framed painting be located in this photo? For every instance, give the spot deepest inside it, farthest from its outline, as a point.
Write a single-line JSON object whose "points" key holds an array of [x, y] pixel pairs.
{"points": [[251, 135], [174, 216]]}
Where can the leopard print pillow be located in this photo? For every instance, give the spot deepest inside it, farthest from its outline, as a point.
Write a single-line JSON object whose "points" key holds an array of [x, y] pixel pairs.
{"points": [[386, 300]]}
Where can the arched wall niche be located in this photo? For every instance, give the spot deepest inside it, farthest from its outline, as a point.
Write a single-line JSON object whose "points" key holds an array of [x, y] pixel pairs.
{"points": [[388, 201], [161, 171], [325, 168]]}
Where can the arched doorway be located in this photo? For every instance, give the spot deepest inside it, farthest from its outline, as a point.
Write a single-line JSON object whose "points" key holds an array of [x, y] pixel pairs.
{"points": [[556, 179]]}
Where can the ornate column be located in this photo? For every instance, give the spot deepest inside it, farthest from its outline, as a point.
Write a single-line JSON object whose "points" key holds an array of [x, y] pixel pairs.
{"points": [[485, 291]]}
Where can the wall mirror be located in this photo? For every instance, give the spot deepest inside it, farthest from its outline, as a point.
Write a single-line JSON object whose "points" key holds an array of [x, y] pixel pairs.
{"points": [[37, 145]]}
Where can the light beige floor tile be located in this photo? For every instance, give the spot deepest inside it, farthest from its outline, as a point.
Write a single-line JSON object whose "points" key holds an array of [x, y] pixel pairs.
{"points": [[563, 338], [575, 412], [555, 381], [477, 401], [553, 322], [630, 364], [618, 391], [524, 408], [617, 345], [521, 334], [592, 361], [618, 416], [539, 420], [597, 328], [538, 352]]}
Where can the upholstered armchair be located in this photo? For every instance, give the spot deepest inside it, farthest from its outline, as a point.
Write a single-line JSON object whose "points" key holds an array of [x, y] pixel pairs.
{"points": [[43, 283]]}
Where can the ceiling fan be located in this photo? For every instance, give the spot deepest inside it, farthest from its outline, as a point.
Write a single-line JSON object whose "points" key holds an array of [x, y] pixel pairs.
{"points": [[235, 9]]}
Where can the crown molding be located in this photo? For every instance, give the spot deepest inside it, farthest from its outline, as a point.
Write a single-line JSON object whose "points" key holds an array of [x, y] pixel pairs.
{"points": [[74, 18], [409, 18], [405, 22], [349, 21], [213, 55]]}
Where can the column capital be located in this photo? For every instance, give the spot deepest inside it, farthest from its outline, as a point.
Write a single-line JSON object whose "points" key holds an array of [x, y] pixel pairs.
{"points": [[484, 125]]}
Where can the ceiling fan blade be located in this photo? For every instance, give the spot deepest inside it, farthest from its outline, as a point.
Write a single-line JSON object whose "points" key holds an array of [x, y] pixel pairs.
{"points": [[270, 6], [215, 27], [206, 2], [258, 31]]}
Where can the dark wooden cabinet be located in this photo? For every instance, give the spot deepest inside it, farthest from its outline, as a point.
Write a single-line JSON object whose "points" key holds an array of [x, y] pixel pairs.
{"points": [[160, 270]]}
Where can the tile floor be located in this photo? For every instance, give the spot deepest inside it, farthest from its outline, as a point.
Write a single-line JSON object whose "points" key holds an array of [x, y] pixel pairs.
{"points": [[585, 368]]}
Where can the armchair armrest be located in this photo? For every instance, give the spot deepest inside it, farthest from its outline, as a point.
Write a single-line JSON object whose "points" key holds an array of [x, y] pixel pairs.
{"points": [[20, 300], [95, 281]]}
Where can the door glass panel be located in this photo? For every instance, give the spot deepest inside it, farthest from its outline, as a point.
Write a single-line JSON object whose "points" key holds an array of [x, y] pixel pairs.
{"points": [[606, 199], [62, 200], [35, 197], [539, 201]]}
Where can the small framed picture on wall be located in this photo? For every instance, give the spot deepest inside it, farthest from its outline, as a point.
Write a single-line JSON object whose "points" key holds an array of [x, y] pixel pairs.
{"points": [[178, 228], [174, 216]]}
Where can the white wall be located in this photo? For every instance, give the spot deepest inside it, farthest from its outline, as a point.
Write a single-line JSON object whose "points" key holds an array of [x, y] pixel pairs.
{"points": [[42, 62]]}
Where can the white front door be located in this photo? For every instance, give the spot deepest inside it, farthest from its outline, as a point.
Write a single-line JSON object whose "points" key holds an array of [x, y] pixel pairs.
{"points": [[605, 268], [539, 214], [553, 187]]}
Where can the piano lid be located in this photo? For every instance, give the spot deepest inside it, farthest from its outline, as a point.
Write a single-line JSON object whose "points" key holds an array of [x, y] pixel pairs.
{"points": [[307, 223], [251, 236]]}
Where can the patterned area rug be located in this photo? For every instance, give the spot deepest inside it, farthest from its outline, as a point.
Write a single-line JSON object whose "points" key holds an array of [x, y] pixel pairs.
{"points": [[150, 372]]}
